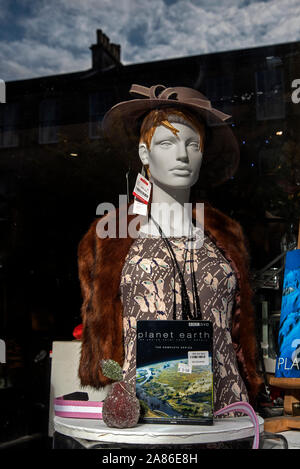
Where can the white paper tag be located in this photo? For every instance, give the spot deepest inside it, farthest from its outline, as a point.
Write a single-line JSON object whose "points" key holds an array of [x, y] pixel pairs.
{"points": [[142, 189], [139, 208], [183, 368], [198, 358]]}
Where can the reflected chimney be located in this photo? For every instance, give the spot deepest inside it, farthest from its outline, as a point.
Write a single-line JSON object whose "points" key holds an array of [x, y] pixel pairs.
{"points": [[104, 53]]}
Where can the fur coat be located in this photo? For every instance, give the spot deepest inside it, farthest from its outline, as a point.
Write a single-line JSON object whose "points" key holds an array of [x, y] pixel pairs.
{"points": [[100, 263]]}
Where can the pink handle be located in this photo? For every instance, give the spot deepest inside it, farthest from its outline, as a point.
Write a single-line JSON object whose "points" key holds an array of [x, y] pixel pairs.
{"points": [[248, 410]]}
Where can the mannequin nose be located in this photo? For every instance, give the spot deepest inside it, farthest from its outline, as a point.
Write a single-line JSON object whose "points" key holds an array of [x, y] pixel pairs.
{"points": [[182, 153]]}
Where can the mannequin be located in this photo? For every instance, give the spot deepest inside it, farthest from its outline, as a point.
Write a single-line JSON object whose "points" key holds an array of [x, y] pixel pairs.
{"points": [[174, 162], [123, 281]]}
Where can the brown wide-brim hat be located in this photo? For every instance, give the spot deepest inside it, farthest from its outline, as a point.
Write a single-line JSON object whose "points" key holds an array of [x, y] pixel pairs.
{"points": [[122, 123]]}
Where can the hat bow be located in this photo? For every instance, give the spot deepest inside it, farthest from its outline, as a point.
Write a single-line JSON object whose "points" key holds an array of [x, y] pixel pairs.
{"points": [[180, 94]]}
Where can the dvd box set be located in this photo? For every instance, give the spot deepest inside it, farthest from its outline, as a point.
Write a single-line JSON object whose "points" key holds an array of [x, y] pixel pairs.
{"points": [[174, 371]]}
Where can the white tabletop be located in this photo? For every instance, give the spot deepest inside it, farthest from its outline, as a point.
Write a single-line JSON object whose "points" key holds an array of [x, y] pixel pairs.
{"points": [[223, 429]]}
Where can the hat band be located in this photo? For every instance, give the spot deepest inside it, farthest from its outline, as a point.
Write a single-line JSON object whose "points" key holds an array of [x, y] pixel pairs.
{"points": [[168, 93]]}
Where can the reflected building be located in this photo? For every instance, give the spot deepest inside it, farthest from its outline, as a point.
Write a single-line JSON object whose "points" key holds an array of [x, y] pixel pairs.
{"points": [[56, 167]]}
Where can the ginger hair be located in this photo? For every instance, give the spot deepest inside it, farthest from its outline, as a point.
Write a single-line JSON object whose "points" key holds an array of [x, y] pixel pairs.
{"points": [[164, 117]]}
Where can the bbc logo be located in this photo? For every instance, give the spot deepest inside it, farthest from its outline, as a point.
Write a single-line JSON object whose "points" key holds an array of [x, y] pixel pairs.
{"points": [[2, 92]]}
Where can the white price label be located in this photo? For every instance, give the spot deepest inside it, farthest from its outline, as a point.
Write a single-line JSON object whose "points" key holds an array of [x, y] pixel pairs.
{"points": [[184, 368], [140, 208], [200, 358], [142, 189]]}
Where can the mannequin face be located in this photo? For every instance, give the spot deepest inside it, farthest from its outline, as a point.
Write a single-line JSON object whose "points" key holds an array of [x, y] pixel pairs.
{"points": [[174, 160]]}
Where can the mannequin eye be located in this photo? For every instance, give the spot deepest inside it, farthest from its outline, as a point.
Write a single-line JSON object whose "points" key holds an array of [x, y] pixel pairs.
{"points": [[165, 143], [194, 145]]}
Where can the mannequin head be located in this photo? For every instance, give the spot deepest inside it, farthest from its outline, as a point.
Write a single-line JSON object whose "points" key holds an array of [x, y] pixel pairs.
{"points": [[171, 147]]}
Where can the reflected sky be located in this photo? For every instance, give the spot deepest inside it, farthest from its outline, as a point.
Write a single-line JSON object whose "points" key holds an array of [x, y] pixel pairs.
{"points": [[54, 36]]}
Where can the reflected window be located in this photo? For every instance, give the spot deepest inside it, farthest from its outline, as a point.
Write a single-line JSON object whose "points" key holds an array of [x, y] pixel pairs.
{"points": [[99, 103], [219, 90], [9, 136], [270, 94], [48, 117]]}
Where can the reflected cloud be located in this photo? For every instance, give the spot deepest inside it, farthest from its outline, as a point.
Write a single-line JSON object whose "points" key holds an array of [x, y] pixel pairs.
{"points": [[56, 35]]}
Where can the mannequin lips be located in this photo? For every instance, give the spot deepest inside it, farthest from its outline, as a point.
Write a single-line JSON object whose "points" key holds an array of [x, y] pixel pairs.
{"points": [[181, 170]]}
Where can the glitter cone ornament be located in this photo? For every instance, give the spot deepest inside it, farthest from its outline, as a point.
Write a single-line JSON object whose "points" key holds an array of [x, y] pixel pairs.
{"points": [[121, 408]]}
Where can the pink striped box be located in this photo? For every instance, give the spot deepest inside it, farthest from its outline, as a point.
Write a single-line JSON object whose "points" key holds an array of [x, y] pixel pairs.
{"points": [[77, 409]]}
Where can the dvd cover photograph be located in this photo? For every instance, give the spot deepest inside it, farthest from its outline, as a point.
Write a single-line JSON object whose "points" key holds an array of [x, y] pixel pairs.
{"points": [[174, 371]]}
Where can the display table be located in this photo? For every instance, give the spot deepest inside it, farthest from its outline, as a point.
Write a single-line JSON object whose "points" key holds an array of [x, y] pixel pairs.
{"points": [[223, 430]]}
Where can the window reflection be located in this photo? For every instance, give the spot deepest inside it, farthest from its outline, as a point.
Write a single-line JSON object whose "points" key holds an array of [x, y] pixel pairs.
{"points": [[99, 103], [48, 117], [269, 84], [9, 136]]}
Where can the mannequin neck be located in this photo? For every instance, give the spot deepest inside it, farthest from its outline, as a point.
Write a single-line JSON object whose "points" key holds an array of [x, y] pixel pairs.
{"points": [[170, 209], [169, 195]]}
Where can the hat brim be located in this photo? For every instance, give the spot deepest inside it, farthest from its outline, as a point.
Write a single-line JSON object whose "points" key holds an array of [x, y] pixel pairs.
{"points": [[121, 125]]}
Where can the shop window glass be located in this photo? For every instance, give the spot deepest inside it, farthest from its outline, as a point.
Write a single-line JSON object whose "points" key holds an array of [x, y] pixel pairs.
{"points": [[219, 90], [9, 136], [99, 103], [270, 94], [48, 117]]}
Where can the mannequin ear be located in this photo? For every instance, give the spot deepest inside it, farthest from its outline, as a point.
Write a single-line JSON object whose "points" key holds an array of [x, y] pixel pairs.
{"points": [[144, 153]]}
